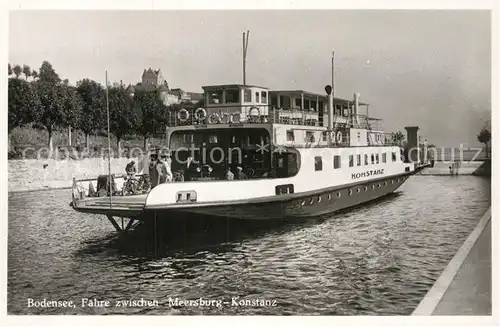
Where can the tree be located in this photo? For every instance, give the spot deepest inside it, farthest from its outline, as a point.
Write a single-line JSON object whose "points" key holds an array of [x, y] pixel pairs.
{"points": [[10, 70], [150, 111], [22, 101], [27, 71], [34, 73], [484, 137], [58, 107], [123, 117], [398, 138], [93, 114], [47, 74], [17, 70]]}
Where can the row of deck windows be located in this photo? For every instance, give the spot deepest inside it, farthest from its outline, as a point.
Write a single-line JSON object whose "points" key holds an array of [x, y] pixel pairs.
{"points": [[233, 96], [375, 159]]}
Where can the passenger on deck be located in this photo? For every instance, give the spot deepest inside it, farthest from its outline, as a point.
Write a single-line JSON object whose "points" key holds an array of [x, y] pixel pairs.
{"points": [[240, 174], [190, 171], [229, 175], [164, 170], [131, 170], [153, 171]]}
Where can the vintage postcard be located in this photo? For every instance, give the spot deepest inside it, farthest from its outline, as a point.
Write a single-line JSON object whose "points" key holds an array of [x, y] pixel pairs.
{"points": [[250, 162]]}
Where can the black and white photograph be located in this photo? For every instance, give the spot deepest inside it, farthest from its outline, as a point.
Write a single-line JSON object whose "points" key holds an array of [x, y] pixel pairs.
{"points": [[249, 162]]}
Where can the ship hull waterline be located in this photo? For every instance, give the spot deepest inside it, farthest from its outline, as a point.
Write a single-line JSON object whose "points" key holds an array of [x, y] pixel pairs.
{"points": [[298, 205]]}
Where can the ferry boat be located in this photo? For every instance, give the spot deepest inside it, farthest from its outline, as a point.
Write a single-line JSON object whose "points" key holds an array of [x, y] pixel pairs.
{"points": [[255, 153]]}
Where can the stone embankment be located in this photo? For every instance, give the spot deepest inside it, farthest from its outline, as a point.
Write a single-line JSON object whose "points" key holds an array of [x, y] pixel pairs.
{"points": [[27, 175]]}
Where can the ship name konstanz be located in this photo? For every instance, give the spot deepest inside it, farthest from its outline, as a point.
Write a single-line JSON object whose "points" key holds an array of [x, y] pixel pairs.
{"points": [[367, 173]]}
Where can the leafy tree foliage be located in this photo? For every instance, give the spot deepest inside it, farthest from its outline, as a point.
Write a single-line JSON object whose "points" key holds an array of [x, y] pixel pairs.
{"points": [[10, 70], [27, 71], [17, 70], [484, 136], [93, 115], [150, 111], [23, 101], [47, 74], [123, 117], [398, 138], [59, 106]]}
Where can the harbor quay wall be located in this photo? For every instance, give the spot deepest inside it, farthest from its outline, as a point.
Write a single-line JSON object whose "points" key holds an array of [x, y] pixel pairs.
{"points": [[28, 175], [478, 168]]}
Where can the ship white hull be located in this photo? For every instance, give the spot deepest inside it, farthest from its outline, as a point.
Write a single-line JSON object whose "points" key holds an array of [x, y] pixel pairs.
{"points": [[311, 192], [312, 204]]}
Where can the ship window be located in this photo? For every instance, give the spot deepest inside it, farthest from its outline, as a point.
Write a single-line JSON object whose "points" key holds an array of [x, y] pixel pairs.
{"points": [[377, 158], [351, 161], [394, 157], [366, 159], [232, 96], [384, 157], [318, 163], [274, 100], [373, 159], [212, 139], [313, 105], [338, 194], [338, 109], [350, 192], [287, 163], [257, 99], [290, 136], [247, 95], [298, 103], [309, 137], [336, 162], [358, 160], [215, 97], [263, 96], [285, 102], [307, 104]]}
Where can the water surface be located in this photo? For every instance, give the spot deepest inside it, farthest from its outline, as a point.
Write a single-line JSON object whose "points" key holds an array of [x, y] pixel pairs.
{"points": [[378, 259]]}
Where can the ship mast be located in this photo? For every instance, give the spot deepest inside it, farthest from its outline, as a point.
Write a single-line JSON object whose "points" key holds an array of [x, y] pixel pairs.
{"points": [[245, 48], [109, 145]]}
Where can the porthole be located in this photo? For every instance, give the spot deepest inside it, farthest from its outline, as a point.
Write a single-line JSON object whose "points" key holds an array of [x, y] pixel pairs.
{"points": [[312, 201], [392, 181], [350, 191], [359, 190], [385, 183], [366, 188], [319, 199], [329, 196], [303, 202], [398, 180], [373, 186], [379, 185], [338, 194]]}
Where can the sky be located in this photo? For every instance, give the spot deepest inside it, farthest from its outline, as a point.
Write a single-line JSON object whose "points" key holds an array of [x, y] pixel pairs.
{"points": [[425, 68]]}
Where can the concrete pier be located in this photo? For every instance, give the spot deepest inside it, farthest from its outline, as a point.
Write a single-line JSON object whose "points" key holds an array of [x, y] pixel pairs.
{"points": [[464, 287]]}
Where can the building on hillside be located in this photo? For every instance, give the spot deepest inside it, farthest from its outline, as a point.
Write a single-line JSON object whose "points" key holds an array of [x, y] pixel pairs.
{"points": [[153, 77], [153, 80]]}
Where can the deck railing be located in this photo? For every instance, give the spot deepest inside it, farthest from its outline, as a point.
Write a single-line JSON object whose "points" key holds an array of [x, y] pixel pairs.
{"points": [[244, 114]]}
